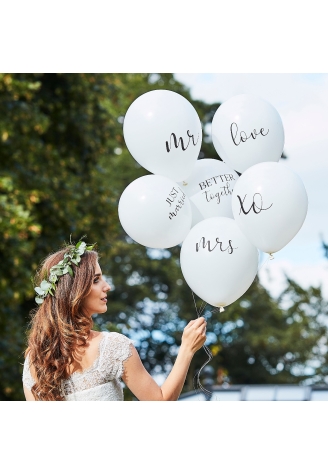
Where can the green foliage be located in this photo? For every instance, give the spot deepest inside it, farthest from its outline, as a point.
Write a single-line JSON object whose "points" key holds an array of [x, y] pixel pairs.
{"points": [[73, 256], [261, 340], [63, 168]]}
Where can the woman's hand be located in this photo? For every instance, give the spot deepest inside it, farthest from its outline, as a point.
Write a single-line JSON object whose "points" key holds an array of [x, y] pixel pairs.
{"points": [[194, 335], [142, 384]]}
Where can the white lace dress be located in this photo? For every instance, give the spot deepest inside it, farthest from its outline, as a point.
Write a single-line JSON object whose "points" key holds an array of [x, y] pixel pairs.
{"points": [[100, 382]]}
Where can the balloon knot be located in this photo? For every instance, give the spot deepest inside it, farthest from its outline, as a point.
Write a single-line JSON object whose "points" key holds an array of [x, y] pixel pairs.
{"points": [[221, 309], [184, 183], [271, 256]]}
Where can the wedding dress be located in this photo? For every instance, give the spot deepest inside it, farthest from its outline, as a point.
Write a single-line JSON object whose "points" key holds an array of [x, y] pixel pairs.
{"points": [[99, 382]]}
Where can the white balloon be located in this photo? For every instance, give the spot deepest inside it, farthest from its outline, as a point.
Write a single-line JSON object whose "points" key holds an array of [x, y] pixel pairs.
{"points": [[247, 130], [163, 133], [269, 204], [217, 261], [209, 188], [155, 212]]}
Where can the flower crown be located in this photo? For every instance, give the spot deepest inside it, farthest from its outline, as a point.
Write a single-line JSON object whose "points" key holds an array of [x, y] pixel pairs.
{"points": [[63, 267]]}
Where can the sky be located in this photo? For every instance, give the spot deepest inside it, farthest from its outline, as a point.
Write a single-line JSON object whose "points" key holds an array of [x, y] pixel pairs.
{"points": [[302, 102]]}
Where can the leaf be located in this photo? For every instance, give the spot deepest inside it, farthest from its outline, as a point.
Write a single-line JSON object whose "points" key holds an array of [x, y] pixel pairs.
{"points": [[70, 270], [39, 291], [53, 278], [89, 248], [45, 285], [81, 248]]}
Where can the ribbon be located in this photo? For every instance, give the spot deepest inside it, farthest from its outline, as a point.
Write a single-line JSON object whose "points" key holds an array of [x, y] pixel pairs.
{"points": [[199, 385]]}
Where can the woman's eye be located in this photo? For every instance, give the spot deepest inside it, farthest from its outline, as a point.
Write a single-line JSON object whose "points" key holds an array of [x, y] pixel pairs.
{"points": [[95, 280]]}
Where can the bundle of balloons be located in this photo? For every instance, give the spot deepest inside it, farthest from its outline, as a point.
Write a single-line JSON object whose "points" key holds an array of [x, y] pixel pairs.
{"points": [[221, 217]]}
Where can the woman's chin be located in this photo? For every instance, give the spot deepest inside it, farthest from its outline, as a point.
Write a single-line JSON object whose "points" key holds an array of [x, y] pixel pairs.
{"points": [[99, 310]]}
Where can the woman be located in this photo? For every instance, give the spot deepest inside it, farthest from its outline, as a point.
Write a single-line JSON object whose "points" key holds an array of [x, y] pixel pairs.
{"points": [[68, 361]]}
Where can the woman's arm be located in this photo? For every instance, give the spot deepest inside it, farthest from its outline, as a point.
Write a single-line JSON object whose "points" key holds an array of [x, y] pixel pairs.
{"points": [[142, 384], [28, 394]]}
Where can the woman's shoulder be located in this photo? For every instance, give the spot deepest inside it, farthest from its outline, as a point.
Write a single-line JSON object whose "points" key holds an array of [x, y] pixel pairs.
{"points": [[116, 346], [115, 336]]}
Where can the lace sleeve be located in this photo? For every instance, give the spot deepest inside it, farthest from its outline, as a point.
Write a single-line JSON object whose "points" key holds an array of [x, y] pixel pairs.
{"points": [[28, 380], [116, 350]]}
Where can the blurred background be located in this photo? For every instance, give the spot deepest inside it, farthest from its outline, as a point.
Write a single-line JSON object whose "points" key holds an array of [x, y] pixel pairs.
{"points": [[63, 168]]}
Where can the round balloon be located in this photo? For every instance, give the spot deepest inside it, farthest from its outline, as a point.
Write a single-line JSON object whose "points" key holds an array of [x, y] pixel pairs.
{"points": [[269, 204], [247, 130], [209, 188], [163, 133], [217, 261], [155, 212]]}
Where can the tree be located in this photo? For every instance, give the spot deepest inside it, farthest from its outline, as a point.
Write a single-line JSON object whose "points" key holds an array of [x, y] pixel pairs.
{"points": [[262, 340], [63, 168]]}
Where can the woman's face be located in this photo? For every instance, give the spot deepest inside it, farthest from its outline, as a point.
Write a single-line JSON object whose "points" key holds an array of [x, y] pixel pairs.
{"points": [[96, 300]]}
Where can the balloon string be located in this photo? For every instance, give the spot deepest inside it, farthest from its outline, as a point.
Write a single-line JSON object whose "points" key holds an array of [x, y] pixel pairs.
{"points": [[197, 375], [195, 304], [207, 351], [215, 310], [202, 307]]}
